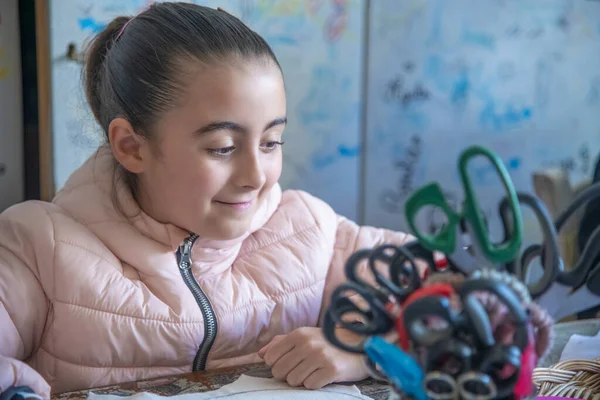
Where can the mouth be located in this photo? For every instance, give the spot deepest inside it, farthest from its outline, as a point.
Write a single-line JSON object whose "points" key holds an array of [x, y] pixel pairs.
{"points": [[237, 206]]}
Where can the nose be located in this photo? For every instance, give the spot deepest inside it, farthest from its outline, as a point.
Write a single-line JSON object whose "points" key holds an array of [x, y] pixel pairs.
{"points": [[249, 171]]}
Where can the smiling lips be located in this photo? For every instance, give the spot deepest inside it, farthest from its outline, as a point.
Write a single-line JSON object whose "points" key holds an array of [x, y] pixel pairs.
{"points": [[238, 206]]}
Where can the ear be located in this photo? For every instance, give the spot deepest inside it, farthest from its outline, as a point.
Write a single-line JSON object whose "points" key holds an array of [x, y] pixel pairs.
{"points": [[128, 148]]}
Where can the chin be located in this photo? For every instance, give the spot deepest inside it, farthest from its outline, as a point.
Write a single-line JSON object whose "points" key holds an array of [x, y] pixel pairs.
{"points": [[227, 232]]}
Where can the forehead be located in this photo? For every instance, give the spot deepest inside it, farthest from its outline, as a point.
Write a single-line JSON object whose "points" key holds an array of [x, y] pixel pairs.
{"points": [[246, 92]]}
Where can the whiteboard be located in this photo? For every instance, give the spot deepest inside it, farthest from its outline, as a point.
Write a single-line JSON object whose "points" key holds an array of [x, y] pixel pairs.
{"points": [[12, 185], [521, 77], [319, 46]]}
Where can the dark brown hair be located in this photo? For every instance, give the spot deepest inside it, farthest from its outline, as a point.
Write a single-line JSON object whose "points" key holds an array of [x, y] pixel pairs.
{"points": [[135, 71]]}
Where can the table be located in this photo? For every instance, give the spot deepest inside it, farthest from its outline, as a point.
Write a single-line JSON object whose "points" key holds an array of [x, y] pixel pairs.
{"points": [[562, 333], [214, 379], [206, 381]]}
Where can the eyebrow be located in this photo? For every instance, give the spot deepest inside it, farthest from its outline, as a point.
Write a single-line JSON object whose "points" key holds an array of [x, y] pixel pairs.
{"points": [[233, 126]]}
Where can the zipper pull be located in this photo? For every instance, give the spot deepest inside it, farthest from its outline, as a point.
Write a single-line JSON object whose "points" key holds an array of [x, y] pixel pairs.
{"points": [[185, 250]]}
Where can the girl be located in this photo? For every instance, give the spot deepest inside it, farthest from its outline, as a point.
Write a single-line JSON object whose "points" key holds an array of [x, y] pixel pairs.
{"points": [[173, 248]]}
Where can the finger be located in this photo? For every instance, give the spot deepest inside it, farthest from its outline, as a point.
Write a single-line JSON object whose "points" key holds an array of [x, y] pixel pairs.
{"points": [[287, 363], [302, 371], [317, 379], [263, 350], [277, 350]]}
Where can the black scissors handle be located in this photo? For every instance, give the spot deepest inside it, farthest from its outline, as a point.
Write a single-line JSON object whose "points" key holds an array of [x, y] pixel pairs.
{"points": [[352, 271], [508, 297], [493, 355], [343, 312], [404, 274], [419, 252], [550, 256], [449, 355], [578, 274], [593, 278]]}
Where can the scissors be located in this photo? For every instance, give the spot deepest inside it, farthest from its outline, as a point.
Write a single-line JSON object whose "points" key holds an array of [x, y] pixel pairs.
{"points": [[395, 365], [550, 255], [463, 346], [401, 264], [374, 317], [442, 386], [401, 369], [577, 289], [445, 241]]}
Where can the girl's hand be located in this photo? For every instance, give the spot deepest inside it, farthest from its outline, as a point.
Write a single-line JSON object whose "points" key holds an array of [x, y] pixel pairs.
{"points": [[305, 358]]}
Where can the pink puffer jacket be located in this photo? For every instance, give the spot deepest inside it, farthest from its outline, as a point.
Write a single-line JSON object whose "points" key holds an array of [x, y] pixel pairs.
{"points": [[89, 297]]}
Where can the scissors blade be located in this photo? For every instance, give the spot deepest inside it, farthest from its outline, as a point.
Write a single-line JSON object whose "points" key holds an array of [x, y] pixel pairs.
{"points": [[553, 299], [581, 300], [468, 257]]}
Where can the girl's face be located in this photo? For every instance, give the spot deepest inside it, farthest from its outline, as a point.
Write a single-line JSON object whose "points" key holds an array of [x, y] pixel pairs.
{"points": [[219, 151]]}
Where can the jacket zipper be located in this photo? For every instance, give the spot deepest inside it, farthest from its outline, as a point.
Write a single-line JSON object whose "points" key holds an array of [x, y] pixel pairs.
{"points": [[184, 260]]}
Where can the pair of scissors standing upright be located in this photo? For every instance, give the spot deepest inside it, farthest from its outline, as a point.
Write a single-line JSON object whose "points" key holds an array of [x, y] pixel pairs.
{"points": [[561, 291], [482, 252]]}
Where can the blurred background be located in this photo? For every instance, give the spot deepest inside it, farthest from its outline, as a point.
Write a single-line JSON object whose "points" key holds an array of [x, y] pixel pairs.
{"points": [[383, 96]]}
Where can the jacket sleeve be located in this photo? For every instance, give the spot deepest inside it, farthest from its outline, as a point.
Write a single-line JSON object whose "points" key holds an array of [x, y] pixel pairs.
{"points": [[350, 238], [23, 302]]}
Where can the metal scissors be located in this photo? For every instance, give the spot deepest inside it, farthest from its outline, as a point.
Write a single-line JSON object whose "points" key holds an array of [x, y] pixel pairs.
{"points": [[395, 365], [577, 289], [402, 370], [550, 255], [446, 240], [401, 264], [463, 346], [363, 313], [366, 311]]}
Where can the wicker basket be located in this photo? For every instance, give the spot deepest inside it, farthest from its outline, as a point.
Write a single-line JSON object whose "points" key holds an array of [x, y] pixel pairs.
{"points": [[578, 379]]}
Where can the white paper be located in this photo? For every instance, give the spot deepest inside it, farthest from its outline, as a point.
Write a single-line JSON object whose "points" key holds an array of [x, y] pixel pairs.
{"points": [[251, 388], [581, 348]]}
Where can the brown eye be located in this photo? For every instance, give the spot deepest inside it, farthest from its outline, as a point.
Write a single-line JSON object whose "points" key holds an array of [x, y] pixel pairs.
{"points": [[221, 152], [272, 145]]}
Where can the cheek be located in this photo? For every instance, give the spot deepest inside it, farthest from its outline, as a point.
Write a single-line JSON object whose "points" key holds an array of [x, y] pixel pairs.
{"points": [[190, 179], [273, 171], [202, 182]]}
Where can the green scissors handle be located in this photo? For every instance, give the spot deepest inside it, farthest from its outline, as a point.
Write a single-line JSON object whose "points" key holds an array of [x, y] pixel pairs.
{"points": [[446, 240]]}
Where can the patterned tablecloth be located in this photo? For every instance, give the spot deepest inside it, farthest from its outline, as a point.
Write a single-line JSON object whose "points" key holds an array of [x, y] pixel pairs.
{"points": [[206, 381], [212, 380]]}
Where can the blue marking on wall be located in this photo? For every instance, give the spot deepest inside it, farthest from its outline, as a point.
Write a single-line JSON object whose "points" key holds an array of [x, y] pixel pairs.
{"points": [[90, 24], [342, 152], [460, 91], [500, 118], [435, 35], [480, 39], [487, 175]]}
